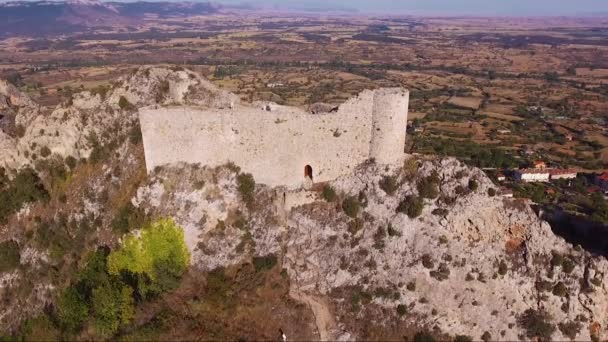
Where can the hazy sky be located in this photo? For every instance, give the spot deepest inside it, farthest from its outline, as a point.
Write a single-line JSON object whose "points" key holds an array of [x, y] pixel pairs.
{"points": [[470, 7]]}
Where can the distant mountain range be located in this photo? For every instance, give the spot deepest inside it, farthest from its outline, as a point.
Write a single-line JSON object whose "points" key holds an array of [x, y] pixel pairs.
{"points": [[44, 18]]}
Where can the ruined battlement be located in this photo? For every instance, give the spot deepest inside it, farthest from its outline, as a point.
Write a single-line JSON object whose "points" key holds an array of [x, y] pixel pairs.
{"points": [[279, 145]]}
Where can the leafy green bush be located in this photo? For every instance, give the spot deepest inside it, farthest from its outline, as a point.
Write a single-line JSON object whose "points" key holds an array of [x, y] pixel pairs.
{"points": [[428, 187], [560, 289], [486, 336], [473, 185], [401, 310], [424, 336], [246, 187], [26, 187], [158, 257], [124, 104], [264, 263], [329, 194], [72, 310], [463, 338], [71, 162], [427, 261], [503, 268], [389, 185], [491, 192], [351, 205], [412, 206], [570, 329], [129, 218], [112, 306], [10, 256], [45, 152], [537, 324]]}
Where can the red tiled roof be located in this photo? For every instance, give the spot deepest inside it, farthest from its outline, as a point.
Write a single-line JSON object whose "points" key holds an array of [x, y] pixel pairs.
{"points": [[603, 176], [534, 171]]}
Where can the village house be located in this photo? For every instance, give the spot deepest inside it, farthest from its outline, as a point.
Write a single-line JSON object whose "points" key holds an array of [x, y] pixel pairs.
{"points": [[501, 177], [556, 174], [532, 175], [602, 181]]}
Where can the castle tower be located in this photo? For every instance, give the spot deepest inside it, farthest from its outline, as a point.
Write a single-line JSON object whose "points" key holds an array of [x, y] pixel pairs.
{"points": [[389, 123]]}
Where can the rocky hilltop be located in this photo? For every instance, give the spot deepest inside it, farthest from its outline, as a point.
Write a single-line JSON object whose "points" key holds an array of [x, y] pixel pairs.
{"points": [[469, 264], [378, 254], [94, 118]]}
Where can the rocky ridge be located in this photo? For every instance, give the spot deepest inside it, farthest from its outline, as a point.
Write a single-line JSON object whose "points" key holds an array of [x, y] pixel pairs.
{"points": [[470, 264], [95, 118]]}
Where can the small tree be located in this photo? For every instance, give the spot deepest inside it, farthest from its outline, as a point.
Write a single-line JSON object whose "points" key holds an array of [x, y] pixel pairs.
{"points": [[246, 187], [389, 185], [329, 194], [536, 324], [351, 205], [412, 206]]}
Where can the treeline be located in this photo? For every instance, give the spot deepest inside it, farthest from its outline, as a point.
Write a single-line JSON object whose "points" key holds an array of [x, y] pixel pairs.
{"points": [[467, 151]]}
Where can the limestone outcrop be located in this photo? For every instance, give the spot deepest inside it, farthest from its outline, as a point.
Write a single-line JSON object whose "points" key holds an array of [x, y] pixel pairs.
{"points": [[93, 119], [470, 264]]}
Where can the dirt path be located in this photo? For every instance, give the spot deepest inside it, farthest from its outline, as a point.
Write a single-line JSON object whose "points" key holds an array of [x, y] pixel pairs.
{"points": [[323, 318]]}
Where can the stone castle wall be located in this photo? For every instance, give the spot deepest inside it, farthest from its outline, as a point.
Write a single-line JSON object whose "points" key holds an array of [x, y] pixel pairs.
{"points": [[275, 146]]}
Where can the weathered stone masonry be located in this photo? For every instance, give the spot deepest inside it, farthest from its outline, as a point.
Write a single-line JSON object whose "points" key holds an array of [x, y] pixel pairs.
{"points": [[277, 143]]}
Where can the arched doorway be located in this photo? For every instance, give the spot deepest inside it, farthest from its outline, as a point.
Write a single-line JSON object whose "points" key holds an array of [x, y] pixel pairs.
{"points": [[308, 172]]}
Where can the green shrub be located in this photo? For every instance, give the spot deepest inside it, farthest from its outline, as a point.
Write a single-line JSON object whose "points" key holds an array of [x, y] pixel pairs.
{"points": [[560, 289], [537, 324], [486, 337], [411, 286], [442, 273], [246, 187], [113, 306], [389, 185], [429, 187], [463, 338], [473, 185], [45, 152], [424, 336], [129, 218], [412, 206], [26, 187], [503, 268], [568, 265], [71, 162], [570, 329], [491, 192], [264, 263], [72, 310], [10, 256], [440, 212], [427, 261], [158, 257], [350, 205], [556, 259], [124, 104], [401, 310], [329, 194]]}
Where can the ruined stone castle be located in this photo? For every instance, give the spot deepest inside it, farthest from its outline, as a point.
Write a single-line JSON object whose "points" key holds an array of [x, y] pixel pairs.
{"points": [[279, 145]]}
